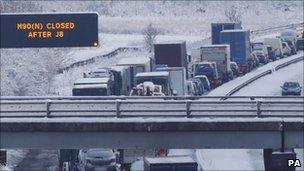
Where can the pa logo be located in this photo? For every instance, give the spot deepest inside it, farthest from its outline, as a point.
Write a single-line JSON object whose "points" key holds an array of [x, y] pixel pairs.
{"points": [[294, 163]]}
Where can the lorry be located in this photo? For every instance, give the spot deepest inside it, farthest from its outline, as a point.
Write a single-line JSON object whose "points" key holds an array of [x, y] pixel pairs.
{"points": [[173, 54], [177, 79], [239, 48], [220, 54], [216, 29], [161, 78], [170, 163], [92, 87], [137, 65], [276, 44], [119, 75]]}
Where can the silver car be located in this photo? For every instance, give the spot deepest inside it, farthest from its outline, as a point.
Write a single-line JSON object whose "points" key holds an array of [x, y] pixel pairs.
{"points": [[291, 88], [97, 157]]}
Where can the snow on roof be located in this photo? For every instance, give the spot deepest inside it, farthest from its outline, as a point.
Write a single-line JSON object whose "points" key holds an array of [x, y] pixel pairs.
{"points": [[118, 68], [151, 74], [220, 23], [236, 30], [90, 86], [83, 81], [170, 159], [170, 42], [219, 45], [133, 61]]}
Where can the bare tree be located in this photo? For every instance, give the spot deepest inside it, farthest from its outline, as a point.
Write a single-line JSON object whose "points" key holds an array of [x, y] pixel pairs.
{"points": [[150, 33], [233, 15]]}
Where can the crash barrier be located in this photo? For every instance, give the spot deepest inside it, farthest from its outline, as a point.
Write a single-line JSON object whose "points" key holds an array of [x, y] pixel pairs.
{"points": [[288, 26], [239, 87], [93, 59], [289, 62], [204, 107]]}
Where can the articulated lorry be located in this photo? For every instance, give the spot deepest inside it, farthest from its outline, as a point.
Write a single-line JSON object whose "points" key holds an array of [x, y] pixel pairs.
{"points": [[216, 29], [172, 54], [239, 41], [93, 87], [171, 79], [137, 65]]}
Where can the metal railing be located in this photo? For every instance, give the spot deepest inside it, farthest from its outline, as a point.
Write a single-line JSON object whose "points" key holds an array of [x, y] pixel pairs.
{"points": [[151, 107]]}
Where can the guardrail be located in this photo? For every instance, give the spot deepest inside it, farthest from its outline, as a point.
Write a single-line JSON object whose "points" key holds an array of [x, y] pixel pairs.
{"points": [[93, 59], [239, 87], [150, 108], [289, 62]]}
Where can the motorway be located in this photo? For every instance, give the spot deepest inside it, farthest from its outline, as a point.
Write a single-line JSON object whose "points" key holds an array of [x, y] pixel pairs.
{"points": [[245, 159]]}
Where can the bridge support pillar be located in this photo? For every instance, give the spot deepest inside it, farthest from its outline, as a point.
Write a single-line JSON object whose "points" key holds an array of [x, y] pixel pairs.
{"points": [[278, 160], [3, 157]]}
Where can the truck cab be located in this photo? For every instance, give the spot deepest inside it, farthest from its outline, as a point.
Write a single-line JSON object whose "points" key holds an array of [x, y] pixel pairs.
{"points": [[158, 78], [210, 70], [92, 87]]}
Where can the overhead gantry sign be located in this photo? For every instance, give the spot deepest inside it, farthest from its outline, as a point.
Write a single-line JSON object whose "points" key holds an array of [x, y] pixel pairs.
{"points": [[49, 30]]}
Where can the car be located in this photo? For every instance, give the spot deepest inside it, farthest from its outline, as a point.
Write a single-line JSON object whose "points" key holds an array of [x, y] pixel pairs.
{"points": [[205, 81], [292, 46], [291, 88], [96, 157], [199, 85], [190, 88], [286, 49], [271, 53], [261, 56], [235, 68], [300, 44]]}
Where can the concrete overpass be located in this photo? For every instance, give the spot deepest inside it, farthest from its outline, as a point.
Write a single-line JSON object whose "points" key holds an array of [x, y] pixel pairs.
{"points": [[243, 122]]}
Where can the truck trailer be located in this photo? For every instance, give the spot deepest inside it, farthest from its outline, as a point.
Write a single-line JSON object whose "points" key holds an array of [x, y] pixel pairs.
{"points": [[220, 54], [170, 163], [173, 54], [137, 65], [216, 29], [177, 79], [239, 41]]}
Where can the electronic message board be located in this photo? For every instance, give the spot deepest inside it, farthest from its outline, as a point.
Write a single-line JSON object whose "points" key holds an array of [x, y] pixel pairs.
{"points": [[49, 30]]}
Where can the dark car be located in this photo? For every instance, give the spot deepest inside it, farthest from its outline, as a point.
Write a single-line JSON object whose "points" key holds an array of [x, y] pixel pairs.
{"points": [[205, 81], [291, 88], [235, 68], [300, 44], [292, 47]]}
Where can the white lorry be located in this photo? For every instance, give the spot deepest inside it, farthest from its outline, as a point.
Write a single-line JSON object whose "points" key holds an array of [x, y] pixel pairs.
{"points": [[276, 44], [220, 54], [92, 87], [136, 64]]}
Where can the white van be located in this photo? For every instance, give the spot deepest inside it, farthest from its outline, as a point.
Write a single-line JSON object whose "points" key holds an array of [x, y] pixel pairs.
{"points": [[276, 44]]}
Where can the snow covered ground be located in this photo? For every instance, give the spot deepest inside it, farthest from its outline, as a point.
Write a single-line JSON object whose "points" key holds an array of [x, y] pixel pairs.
{"points": [[14, 157]]}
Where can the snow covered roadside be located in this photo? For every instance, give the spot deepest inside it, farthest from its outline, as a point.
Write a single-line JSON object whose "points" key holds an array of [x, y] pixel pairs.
{"points": [[14, 157]]}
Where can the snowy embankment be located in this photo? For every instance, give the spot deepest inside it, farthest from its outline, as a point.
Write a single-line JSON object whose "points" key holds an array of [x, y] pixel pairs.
{"points": [[110, 42], [251, 159]]}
